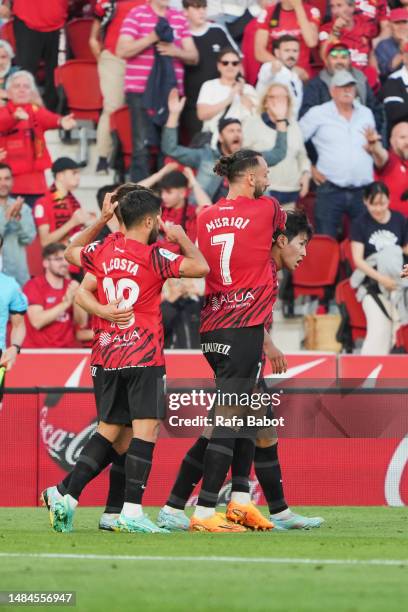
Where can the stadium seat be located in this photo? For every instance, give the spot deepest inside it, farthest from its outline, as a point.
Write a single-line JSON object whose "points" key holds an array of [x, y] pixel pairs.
{"points": [[122, 141], [353, 323], [84, 101], [346, 257], [78, 31], [318, 272]]}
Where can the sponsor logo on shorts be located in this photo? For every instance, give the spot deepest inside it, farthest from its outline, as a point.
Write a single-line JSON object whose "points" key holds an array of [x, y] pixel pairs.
{"points": [[215, 347]]}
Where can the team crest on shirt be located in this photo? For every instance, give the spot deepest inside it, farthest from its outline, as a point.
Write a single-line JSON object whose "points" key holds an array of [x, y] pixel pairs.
{"points": [[168, 254]]}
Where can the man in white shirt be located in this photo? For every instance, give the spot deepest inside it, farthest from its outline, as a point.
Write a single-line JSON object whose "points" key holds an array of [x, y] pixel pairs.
{"points": [[283, 69], [337, 130]]}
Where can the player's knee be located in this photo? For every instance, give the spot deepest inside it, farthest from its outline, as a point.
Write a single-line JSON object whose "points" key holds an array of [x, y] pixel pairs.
{"points": [[146, 429], [121, 445], [109, 430], [266, 442]]}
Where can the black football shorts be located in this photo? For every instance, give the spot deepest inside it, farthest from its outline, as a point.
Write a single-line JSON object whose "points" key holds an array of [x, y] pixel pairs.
{"points": [[235, 356], [132, 393]]}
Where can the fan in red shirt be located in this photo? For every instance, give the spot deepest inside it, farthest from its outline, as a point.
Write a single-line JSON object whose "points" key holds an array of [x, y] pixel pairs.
{"points": [[235, 235], [375, 11], [391, 167], [130, 271], [23, 122], [291, 17], [53, 320], [356, 31], [176, 210], [37, 28]]}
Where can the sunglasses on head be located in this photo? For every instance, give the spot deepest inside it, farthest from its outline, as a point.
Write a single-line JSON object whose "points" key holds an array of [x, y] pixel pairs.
{"points": [[339, 53], [230, 62]]}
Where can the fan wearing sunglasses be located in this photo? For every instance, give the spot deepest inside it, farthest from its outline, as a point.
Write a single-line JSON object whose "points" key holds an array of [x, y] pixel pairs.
{"points": [[316, 91], [227, 96]]}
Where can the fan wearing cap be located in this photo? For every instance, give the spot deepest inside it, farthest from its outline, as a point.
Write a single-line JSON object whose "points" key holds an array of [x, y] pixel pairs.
{"points": [[395, 92], [389, 51], [204, 158], [344, 167], [356, 31], [317, 90], [58, 214]]}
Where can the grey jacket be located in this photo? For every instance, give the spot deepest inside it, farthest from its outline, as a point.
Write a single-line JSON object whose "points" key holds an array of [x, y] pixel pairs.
{"points": [[205, 157], [16, 234], [389, 262]]}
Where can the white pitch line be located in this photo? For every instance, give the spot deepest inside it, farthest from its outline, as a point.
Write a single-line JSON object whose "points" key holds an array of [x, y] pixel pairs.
{"points": [[271, 560]]}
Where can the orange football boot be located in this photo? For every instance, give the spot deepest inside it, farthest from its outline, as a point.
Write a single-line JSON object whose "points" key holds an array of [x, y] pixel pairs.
{"points": [[215, 524], [248, 515]]}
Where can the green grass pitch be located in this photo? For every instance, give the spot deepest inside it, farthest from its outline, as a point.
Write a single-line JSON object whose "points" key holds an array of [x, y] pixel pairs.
{"points": [[356, 562]]}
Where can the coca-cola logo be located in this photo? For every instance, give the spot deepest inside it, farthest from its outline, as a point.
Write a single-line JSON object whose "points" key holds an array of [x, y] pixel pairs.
{"points": [[64, 446]]}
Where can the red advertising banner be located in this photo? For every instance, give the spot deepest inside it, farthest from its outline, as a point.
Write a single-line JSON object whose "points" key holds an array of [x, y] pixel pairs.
{"points": [[42, 435]]}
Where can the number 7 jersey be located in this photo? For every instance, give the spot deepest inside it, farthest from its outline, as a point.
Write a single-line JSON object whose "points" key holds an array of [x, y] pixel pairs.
{"points": [[235, 237], [133, 272]]}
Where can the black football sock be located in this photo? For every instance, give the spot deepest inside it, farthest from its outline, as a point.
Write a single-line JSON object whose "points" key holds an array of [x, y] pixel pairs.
{"points": [[190, 474], [137, 469], [63, 485], [241, 464], [117, 482], [269, 475], [91, 462], [217, 461]]}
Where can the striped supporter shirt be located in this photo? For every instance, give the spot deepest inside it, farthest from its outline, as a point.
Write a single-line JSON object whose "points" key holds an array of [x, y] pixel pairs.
{"points": [[139, 23]]}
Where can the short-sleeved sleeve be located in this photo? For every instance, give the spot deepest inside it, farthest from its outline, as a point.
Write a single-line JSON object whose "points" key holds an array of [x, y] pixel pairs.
{"points": [[130, 25], [33, 293], [41, 213], [18, 302], [357, 231], [89, 257], [166, 264], [184, 30]]}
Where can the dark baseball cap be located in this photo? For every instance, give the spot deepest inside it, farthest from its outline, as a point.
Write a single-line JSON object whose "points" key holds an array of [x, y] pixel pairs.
{"points": [[64, 163], [227, 121]]}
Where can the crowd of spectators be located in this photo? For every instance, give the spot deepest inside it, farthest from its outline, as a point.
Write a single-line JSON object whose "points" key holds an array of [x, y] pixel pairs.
{"points": [[320, 88]]}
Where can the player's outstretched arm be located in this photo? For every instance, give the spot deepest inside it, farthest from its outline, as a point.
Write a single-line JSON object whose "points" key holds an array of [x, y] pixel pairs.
{"points": [[73, 251], [194, 264], [86, 298]]}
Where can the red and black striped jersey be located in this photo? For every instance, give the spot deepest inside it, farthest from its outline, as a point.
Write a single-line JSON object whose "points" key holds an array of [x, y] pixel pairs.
{"points": [[235, 237], [133, 272]]}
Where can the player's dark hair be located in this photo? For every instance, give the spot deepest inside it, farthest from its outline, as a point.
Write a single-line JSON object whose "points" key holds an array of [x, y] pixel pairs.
{"points": [[194, 3], [52, 249], [236, 164], [102, 191], [283, 39], [137, 204], [296, 223], [225, 51], [5, 167], [173, 180], [374, 189]]}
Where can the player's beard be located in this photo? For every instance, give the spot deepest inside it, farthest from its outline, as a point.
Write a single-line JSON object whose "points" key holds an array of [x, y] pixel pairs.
{"points": [[154, 234], [259, 190]]}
